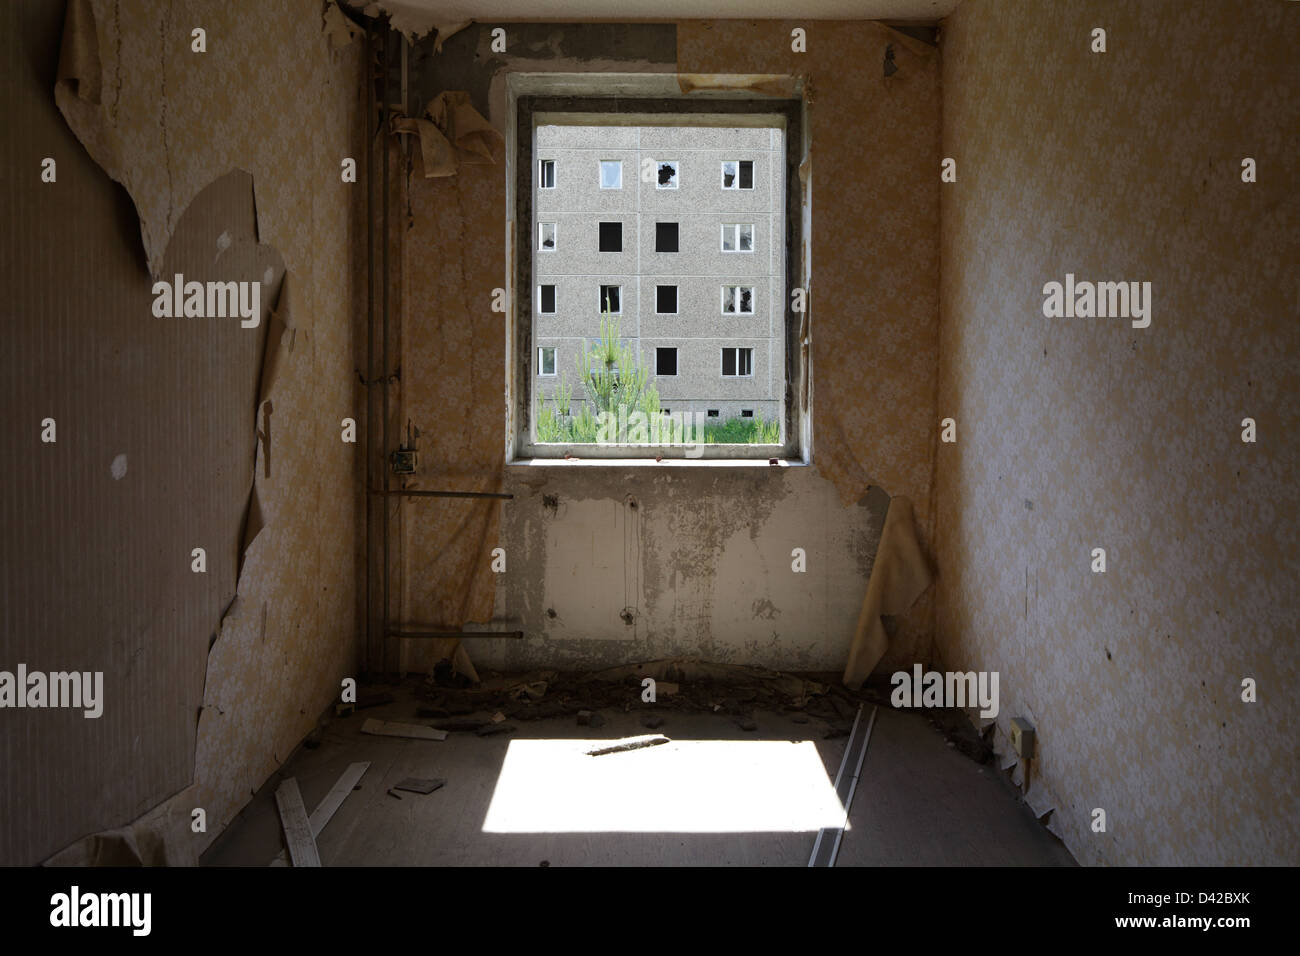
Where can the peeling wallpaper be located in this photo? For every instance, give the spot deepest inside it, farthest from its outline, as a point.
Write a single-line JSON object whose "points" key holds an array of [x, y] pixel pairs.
{"points": [[1077, 433], [166, 132]]}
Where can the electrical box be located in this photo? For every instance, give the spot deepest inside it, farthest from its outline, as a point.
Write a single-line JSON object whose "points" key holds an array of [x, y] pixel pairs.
{"points": [[1022, 737], [404, 461]]}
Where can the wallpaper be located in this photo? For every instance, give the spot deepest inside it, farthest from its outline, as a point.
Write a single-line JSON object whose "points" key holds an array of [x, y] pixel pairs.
{"points": [[165, 133], [1087, 432]]}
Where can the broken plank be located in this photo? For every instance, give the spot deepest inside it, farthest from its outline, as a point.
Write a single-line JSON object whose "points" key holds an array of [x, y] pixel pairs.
{"points": [[418, 785], [326, 809], [391, 728], [297, 828], [635, 743]]}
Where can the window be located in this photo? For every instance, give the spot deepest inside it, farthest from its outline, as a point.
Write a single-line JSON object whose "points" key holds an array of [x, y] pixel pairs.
{"points": [[611, 237], [666, 299], [738, 174], [611, 299], [665, 237], [658, 250], [737, 237], [738, 361], [546, 299], [666, 174], [737, 299]]}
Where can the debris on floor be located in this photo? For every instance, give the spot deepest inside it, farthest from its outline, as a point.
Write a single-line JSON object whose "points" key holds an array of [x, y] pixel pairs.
{"points": [[634, 743], [418, 785], [391, 728]]}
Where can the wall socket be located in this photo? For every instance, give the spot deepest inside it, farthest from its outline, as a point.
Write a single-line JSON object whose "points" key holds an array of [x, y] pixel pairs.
{"points": [[1022, 737]]}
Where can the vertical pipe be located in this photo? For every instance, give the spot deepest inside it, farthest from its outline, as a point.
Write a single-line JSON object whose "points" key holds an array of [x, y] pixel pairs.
{"points": [[368, 74], [383, 461]]}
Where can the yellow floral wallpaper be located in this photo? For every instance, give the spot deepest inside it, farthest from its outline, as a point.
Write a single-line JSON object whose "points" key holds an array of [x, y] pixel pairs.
{"points": [[1083, 433]]}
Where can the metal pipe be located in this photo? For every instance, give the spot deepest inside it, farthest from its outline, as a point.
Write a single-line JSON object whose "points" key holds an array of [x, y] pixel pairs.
{"points": [[369, 75], [383, 153], [517, 635], [414, 493]]}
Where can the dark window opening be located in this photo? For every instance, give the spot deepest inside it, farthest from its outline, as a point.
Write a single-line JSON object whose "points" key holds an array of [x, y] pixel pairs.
{"points": [[611, 237], [665, 237]]}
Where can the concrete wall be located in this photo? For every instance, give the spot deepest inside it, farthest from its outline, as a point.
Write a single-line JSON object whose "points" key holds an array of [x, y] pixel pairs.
{"points": [[699, 206], [1083, 433]]}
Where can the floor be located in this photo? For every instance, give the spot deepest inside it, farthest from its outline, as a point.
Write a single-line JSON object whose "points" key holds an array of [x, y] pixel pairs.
{"points": [[714, 794]]}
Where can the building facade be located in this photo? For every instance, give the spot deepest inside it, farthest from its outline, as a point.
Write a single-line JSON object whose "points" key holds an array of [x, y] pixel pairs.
{"points": [[679, 233]]}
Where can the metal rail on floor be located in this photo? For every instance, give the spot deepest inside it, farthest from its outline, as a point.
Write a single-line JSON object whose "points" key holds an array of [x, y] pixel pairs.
{"points": [[827, 846]]}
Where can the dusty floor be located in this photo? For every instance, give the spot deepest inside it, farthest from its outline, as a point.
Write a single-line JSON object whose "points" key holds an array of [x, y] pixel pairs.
{"points": [[716, 794]]}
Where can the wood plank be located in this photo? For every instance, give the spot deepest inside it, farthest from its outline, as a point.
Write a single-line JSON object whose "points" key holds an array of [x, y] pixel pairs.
{"points": [[297, 828], [326, 809], [391, 728]]}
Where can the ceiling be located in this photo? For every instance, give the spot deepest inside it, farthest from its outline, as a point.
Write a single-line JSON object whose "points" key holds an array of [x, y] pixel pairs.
{"points": [[449, 12]]}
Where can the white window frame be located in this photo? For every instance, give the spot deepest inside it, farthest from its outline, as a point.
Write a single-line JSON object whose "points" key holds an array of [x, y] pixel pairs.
{"points": [[737, 349], [541, 236], [722, 175], [677, 360], [600, 297], [541, 173], [735, 228], [601, 172], [732, 292], [540, 300], [676, 164], [541, 363]]}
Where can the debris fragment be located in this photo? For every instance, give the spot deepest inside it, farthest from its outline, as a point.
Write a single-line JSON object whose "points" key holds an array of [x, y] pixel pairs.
{"points": [[587, 718], [390, 728], [654, 723], [634, 743], [419, 785], [744, 723], [491, 730]]}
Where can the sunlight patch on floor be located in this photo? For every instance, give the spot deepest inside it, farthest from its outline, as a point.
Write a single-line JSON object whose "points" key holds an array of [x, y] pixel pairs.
{"points": [[684, 786]]}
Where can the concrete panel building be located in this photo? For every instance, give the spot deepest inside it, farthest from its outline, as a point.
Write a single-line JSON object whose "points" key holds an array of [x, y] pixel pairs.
{"points": [[678, 232]]}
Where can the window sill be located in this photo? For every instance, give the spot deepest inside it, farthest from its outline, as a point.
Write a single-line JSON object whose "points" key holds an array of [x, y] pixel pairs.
{"points": [[652, 463]]}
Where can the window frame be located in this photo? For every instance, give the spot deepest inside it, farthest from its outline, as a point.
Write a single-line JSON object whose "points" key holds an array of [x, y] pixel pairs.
{"points": [[600, 297], [677, 297], [722, 361], [600, 174], [677, 361], [541, 174], [738, 310], [535, 99], [555, 235], [555, 361], [676, 164]]}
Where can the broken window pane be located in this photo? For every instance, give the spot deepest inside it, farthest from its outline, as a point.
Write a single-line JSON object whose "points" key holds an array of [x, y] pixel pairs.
{"points": [[611, 298], [728, 175], [667, 177], [546, 236]]}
